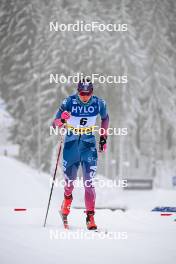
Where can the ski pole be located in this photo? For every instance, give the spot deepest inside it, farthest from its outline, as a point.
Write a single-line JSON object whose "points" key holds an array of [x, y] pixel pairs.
{"points": [[54, 177]]}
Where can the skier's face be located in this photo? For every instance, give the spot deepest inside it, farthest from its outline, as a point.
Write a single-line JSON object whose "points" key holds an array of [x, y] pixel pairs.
{"points": [[85, 97]]}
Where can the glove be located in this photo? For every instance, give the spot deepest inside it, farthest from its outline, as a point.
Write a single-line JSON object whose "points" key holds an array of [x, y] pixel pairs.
{"points": [[65, 115], [102, 143], [60, 121]]}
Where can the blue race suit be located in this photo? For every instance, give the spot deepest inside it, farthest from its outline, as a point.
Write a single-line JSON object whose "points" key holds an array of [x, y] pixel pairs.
{"points": [[80, 148]]}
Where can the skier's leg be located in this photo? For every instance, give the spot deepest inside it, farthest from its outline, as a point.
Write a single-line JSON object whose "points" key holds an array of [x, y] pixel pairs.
{"points": [[70, 174], [70, 167], [89, 166], [89, 158], [89, 170]]}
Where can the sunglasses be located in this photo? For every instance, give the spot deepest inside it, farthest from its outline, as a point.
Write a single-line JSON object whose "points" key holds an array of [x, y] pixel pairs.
{"points": [[85, 94]]}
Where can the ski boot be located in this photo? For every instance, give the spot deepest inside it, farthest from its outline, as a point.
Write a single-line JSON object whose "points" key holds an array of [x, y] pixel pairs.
{"points": [[65, 210], [90, 222]]}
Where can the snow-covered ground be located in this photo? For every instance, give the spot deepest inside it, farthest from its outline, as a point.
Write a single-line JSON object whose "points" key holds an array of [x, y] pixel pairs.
{"points": [[137, 235]]}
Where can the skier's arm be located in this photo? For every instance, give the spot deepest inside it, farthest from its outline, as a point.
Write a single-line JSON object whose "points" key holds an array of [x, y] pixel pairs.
{"points": [[62, 114], [104, 117], [104, 125]]}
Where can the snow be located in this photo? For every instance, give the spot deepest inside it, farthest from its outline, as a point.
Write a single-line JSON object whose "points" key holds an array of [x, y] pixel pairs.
{"points": [[23, 239]]}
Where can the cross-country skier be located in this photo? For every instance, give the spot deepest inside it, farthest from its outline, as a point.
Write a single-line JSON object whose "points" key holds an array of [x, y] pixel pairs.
{"points": [[78, 113]]}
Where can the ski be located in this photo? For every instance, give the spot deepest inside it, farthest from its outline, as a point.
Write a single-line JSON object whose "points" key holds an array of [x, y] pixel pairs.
{"points": [[100, 230], [66, 225]]}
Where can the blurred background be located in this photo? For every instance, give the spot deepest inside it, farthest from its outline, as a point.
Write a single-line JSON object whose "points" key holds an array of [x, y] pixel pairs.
{"points": [[146, 105]]}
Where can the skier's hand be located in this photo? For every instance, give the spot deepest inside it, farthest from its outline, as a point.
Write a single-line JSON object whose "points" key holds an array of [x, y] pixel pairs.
{"points": [[65, 116], [58, 122], [102, 143]]}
